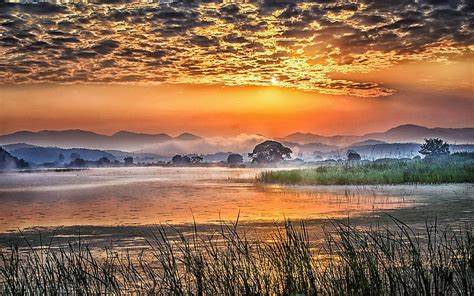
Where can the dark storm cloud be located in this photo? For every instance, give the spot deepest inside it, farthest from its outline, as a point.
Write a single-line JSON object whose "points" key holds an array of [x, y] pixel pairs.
{"points": [[297, 42]]}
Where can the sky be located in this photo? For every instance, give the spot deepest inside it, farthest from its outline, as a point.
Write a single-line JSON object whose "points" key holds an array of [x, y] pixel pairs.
{"points": [[269, 67]]}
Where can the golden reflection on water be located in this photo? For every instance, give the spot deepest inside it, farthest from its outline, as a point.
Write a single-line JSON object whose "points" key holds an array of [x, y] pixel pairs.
{"points": [[143, 196]]}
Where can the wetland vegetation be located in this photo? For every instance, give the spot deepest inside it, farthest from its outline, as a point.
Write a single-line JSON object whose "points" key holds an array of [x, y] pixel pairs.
{"points": [[455, 168], [347, 260]]}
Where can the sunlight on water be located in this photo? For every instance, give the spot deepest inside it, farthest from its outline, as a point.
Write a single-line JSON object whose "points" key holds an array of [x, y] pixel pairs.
{"points": [[143, 196]]}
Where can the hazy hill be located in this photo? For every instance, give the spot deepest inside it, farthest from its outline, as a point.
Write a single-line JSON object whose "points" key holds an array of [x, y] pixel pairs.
{"points": [[138, 157], [66, 138], [187, 137], [216, 157], [243, 144], [9, 162], [309, 138], [122, 140], [40, 155], [307, 150], [388, 150], [367, 142], [126, 136], [401, 134], [415, 133], [162, 144]]}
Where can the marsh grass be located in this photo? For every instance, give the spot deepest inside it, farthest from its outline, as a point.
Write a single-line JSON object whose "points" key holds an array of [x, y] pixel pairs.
{"points": [[372, 173], [350, 261]]}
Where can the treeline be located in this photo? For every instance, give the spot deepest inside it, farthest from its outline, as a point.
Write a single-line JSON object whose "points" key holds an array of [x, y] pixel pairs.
{"points": [[178, 159], [102, 162]]}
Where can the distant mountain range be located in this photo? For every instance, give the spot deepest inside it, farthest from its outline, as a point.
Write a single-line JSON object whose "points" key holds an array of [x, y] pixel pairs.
{"points": [[154, 146], [123, 140], [387, 150], [408, 133]]}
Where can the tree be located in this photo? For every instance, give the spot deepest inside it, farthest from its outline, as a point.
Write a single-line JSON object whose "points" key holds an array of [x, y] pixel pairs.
{"points": [[196, 159], [128, 160], [21, 164], [270, 152], [235, 158], [103, 161], [61, 157], [434, 147], [179, 159], [78, 162], [74, 156], [353, 155]]}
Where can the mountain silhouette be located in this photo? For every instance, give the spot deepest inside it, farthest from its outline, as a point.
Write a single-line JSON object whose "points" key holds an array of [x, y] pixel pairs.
{"points": [[187, 137], [123, 140], [407, 133], [10, 162], [165, 144]]}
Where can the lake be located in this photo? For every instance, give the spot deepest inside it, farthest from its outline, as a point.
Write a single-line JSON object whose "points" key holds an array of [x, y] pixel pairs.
{"points": [[129, 197]]}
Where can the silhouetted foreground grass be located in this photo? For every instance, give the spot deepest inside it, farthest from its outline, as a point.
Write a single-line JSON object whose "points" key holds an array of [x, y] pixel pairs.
{"points": [[349, 262], [394, 172]]}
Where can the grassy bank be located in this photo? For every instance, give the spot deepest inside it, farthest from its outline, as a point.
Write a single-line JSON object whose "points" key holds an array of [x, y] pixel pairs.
{"points": [[392, 172], [347, 261]]}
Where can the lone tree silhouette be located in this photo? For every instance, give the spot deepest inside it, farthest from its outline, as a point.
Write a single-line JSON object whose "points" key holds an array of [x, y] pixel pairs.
{"points": [[196, 159], [434, 147], [353, 155], [178, 159], [128, 160], [235, 158], [270, 152]]}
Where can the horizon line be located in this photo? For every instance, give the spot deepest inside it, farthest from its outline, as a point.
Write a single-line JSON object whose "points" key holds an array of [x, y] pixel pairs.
{"points": [[198, 135]]}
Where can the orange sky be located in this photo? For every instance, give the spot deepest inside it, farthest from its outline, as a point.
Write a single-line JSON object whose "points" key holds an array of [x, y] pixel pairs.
{"points": [[217, 68], [215, 110]]}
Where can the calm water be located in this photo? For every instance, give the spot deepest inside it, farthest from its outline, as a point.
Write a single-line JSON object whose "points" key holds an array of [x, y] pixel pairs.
{"points": [[143, 196]]}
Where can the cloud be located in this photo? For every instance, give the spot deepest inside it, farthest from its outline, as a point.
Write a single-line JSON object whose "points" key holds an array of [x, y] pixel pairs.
{"points": [[303, 43], [105, 46]]}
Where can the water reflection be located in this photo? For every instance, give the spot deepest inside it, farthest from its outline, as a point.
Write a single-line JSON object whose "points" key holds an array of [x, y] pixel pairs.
{"points": [[141, 196]]}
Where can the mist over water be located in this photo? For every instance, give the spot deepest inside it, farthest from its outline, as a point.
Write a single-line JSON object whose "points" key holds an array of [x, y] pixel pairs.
{"points": [[144, 196]]}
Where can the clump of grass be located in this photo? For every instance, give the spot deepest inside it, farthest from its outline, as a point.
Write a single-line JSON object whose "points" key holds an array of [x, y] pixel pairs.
{"points": [[394, 172], [350, 261]]}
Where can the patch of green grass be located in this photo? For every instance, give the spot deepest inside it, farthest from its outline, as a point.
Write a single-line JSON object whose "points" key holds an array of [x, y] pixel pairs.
{"points": [[391, 172]]}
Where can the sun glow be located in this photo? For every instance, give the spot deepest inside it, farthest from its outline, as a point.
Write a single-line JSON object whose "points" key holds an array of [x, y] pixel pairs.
{"points": [[274, 80]]}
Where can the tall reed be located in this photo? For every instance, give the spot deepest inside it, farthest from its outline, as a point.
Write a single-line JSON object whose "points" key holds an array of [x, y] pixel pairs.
{"points": [[350, 260]]}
